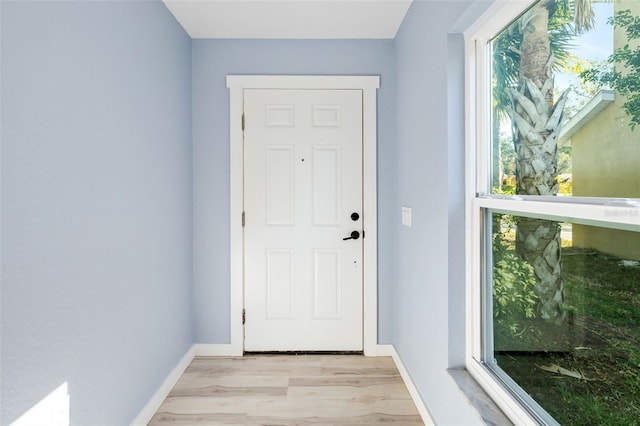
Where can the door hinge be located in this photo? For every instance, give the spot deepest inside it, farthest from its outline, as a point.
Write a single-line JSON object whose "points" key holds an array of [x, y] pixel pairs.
{"points": [[243, 219], [244, 316], [243, 122]]}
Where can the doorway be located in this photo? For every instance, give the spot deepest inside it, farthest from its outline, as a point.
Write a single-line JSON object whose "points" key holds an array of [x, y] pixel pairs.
{"points": [[303, 209], [274, 264]]}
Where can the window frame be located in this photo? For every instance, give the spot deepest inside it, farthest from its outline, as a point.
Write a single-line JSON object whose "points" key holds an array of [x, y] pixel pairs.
{"points": [[610, 213]]}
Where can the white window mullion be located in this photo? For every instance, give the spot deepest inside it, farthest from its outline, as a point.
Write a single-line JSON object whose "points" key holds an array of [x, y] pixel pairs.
{"points": [[617, 217], [483, 124]]}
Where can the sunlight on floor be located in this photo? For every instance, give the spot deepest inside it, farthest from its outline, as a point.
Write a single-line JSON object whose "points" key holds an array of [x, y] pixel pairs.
{"points": [[52, 410]]}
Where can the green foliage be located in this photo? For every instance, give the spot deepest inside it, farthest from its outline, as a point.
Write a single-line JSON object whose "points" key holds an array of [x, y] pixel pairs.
{"points": [[625, 76], [605, 323], [514, 298]]}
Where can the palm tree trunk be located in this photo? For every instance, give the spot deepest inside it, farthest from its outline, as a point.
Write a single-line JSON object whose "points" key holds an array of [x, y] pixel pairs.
{"points": [[538, 242], [537, 122]]}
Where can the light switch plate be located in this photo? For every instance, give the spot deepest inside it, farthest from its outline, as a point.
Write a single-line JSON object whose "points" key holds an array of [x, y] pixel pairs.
{"points": [[406, 216]]}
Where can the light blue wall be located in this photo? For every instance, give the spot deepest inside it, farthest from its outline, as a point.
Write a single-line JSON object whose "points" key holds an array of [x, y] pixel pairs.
{"points": [[96, 204], [115, 178], [429, 311], [456, 199], [213, 60]]}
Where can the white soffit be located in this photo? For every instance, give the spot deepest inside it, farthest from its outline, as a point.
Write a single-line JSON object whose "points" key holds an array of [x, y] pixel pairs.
{"points": [[290, 19]]}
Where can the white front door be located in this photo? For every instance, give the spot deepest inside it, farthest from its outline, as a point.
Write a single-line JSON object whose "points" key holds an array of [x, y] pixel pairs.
{"points": [[302, 197]]}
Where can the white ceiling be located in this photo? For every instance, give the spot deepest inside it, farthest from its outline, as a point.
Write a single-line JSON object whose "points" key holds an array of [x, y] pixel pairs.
{"points": [[288, 19]]}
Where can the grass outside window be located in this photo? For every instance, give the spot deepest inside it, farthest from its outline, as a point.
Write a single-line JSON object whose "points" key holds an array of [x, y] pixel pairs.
{"points": [[584, 370]]}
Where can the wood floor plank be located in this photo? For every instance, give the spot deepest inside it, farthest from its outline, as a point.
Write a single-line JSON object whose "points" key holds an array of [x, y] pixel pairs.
{"points": [[252, 365], [358, 362], [171, 419], [215, 405], [331, 409], [243, 420], [227, 391], [368, 420], [371, 392], [289, 390], [344, 380], [232, 380]]}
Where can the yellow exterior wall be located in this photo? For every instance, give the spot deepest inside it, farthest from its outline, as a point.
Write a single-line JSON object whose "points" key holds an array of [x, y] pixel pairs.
{"points": [[606, 156], [622, 244], [606, 163]]}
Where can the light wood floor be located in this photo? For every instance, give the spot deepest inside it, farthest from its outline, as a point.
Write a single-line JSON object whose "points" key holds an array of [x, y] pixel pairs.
{"points": [[288, 390]]}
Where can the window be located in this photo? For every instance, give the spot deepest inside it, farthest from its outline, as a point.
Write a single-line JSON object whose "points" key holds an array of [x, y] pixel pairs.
{"points": [[554, 210]]}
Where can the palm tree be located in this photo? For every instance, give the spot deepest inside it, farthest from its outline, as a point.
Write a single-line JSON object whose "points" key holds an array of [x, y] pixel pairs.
{"points": [[536, 119], [506, 50]]}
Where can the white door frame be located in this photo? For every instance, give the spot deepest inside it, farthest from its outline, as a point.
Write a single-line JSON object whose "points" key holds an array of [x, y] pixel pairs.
{"points": [[369, 86]]}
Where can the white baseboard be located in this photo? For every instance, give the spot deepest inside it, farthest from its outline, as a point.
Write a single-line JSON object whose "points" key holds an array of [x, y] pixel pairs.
{"points": [[204, 349], [144, 417], [389, 350], [385, 350]]}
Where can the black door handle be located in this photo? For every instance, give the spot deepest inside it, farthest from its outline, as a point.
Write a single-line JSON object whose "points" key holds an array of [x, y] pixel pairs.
{"points": [[354, 236]]}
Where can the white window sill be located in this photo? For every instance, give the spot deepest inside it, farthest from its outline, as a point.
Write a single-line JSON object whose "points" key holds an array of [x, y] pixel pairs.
{"points": [[478, 398]]}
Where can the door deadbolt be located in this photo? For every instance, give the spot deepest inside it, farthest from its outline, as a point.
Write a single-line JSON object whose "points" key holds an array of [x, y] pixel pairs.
{"points": [[355, 216]]}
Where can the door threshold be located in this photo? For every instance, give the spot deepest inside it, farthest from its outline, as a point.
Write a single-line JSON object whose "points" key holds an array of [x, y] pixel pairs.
{"points": [[258, 353]]}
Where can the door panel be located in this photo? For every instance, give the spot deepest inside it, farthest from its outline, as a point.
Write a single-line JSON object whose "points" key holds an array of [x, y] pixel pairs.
{"points": [[280, 185], [326, 185], [327, 284], [280, 284], [303, 180]]}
